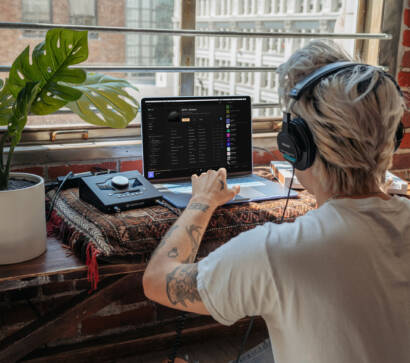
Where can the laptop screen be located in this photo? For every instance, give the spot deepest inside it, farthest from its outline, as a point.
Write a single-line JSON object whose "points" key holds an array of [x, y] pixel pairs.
{"points": [[189, 135]]}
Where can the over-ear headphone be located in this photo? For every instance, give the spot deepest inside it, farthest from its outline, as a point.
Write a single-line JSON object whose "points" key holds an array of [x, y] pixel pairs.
{"points": [[295, 141]]}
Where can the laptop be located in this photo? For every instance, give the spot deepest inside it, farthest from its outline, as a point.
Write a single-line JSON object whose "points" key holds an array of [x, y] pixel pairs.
{"points": [[190, 135]]}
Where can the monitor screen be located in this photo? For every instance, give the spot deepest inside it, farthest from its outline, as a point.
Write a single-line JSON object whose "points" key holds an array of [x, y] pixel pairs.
{"points": [[189, 135]]}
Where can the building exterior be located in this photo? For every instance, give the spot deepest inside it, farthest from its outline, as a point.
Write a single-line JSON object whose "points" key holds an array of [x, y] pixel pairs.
{"points": [[304, 16]]}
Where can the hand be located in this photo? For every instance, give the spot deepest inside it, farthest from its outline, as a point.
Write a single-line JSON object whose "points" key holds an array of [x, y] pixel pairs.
{"points": [[212, 188]]}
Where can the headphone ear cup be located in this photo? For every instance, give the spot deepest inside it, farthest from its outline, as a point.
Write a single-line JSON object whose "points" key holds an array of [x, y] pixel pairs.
{"points": [[399, 136], [305, 142]]}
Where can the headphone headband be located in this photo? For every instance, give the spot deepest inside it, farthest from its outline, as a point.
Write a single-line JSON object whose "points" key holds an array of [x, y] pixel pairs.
{"points": [[320, 73], [295, 141]]}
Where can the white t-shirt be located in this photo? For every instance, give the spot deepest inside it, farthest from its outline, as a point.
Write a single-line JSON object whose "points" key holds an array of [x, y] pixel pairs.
{"points": [[333, 287]]}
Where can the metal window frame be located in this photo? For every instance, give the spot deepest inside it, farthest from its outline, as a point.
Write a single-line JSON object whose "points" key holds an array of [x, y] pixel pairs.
{"points": [[118, 141]]}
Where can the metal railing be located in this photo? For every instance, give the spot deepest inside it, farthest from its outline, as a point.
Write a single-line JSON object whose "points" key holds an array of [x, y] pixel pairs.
{"points": [[187, 52], [193, 32]]}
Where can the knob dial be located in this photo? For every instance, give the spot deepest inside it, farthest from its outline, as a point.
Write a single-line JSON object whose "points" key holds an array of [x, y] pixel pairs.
{"points": [[120, 182]]}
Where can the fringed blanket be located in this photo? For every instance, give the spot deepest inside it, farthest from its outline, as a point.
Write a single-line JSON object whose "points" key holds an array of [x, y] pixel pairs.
{"points": [[134, 234]]}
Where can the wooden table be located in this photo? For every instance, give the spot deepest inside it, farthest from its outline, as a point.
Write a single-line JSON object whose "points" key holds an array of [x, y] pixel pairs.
{"points": [[59, 261]]}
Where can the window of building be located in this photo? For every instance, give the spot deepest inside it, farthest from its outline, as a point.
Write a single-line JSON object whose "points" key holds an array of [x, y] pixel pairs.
{"points": [[142, 49], [83, 12], [35, 11]]}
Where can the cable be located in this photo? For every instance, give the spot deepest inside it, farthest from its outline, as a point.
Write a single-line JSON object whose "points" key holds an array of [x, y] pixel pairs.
{"points": [[57, 194], [265, 150], [165, 204], [182, 316], [178, 338], [253, 318], [245, 338]]}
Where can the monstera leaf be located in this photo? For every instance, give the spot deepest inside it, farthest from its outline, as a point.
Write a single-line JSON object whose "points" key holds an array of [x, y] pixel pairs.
{"points": [[7, 101], [114, 107], [50, 62]]}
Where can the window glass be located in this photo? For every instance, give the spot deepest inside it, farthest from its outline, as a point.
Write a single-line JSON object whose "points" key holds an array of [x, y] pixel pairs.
{"points": [[303, 16], [105, 48], [35, 11]]}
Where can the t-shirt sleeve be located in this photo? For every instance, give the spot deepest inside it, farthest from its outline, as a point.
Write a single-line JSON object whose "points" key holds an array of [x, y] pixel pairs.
{"points": [[235, 280]]}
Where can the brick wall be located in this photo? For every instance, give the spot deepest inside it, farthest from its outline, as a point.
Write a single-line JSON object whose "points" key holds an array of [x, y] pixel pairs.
{"points": [[23, 302], [401, 161]]}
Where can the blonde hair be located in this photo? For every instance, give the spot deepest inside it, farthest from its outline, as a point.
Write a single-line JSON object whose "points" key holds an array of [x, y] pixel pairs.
{"points": [[353, 115]]}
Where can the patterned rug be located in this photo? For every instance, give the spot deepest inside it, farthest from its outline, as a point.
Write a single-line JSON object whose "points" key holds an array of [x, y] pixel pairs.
{"points": [[131, 236]]}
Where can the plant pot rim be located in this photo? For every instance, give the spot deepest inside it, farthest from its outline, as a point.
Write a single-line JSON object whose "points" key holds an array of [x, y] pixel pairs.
{"points": [[32, 177]]}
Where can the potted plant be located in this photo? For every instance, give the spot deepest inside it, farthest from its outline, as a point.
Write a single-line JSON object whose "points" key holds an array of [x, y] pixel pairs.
{"points": [[42, 86]]}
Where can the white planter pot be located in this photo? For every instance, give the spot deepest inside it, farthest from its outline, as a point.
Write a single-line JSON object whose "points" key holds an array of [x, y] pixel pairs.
{"points": [[23, 233]]}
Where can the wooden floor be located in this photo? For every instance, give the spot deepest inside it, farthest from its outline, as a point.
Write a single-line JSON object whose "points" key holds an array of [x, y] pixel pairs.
{"points": [[210, 351]]}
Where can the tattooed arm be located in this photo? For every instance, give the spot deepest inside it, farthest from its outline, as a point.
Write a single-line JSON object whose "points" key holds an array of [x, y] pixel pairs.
{"points": [[170, 277]]}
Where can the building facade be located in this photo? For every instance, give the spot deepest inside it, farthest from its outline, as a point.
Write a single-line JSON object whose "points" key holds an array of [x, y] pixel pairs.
{"points": [[303, 16]]}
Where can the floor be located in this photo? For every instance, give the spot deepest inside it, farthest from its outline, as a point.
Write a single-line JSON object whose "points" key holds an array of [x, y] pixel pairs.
{"points": [[210, 351]]}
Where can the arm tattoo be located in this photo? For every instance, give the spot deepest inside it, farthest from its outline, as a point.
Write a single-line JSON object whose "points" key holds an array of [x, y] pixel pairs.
{"points": [[181, 285], [194, 233], [165, 238], [173, 253], [199, 206], [222, 185]]}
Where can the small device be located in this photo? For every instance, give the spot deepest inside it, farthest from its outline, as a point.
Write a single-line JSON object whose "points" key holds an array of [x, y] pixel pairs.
{"points": [[114, 192]]}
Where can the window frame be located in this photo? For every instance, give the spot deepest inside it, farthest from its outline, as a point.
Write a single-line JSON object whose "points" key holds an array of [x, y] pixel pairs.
{"points": [[38, 139]]}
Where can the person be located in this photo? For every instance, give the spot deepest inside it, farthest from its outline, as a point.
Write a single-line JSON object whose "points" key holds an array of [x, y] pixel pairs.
{"points": [[334, 285]]}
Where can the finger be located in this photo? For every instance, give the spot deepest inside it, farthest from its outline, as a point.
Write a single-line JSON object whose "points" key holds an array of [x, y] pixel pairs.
{"points": [[194, 182], [222, 172], [236, 189]]}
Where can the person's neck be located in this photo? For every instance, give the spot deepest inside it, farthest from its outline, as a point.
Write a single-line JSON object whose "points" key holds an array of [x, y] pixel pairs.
{"points": [[323, 197]]}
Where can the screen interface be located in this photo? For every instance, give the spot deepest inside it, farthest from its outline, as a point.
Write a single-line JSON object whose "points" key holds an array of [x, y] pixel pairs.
{"points": [[185, 136]]}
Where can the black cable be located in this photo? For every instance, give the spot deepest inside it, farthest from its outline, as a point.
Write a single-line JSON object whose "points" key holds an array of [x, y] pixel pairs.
{"points": [[181, 318], [245, 338], [265, 150], [57, 194], [178, 338], [165, 204], [253, 318]]}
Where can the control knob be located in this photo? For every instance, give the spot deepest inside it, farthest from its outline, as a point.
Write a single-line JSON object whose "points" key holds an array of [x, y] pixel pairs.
{"points": [[120, 182]]}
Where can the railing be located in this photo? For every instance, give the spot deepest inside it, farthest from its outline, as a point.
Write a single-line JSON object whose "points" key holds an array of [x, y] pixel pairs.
{"points": [[39, 134]]}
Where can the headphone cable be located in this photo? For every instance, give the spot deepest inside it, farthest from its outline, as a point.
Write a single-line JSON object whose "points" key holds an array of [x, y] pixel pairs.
{"points": [[245, 338]]}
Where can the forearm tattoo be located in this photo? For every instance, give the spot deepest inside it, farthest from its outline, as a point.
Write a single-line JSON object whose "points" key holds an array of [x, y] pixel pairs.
{"points": [[165, 238], [182, 286], [173, 253], [199, 206], [194, 233]]}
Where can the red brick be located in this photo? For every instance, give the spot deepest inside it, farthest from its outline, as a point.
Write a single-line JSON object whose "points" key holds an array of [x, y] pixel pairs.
{"points": [[97, 324], [406, 38], [407, 17], [59, 170], [23, 294], [403, 79], [131, 165], [134, 293], [405, 61], [264, 158], [17, 314], [57, 287], [37, 170], [406, 119], [82, 284], [401, 161], [405, 143], [53, 303], [165, 313]]}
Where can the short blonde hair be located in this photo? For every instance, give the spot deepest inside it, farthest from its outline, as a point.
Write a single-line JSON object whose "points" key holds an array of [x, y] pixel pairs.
{"points": [[353, 115]]}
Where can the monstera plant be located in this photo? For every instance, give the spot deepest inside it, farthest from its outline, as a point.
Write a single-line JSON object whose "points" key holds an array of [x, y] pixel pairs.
{"points": [[40, 85], [45, 83]]}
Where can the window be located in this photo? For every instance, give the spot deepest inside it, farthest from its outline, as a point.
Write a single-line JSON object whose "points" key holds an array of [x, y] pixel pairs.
{"points": [[83, 12], [35, 11], [143, 49]]}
